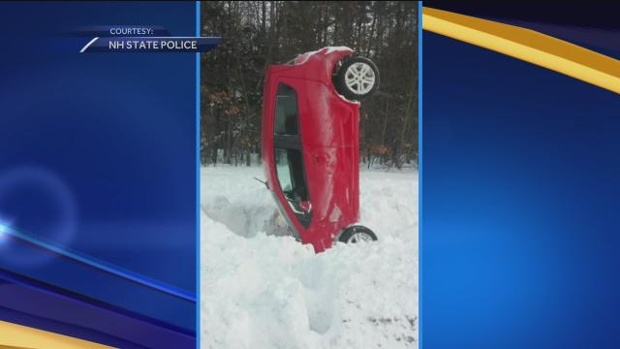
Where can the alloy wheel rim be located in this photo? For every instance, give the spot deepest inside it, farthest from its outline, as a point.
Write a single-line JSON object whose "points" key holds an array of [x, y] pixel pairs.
{"points": [[360, 236], [360, 78]]}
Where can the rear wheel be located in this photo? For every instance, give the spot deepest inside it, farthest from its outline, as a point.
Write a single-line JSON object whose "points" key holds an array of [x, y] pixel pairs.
{"points": [[357, 78], [357, 233]]}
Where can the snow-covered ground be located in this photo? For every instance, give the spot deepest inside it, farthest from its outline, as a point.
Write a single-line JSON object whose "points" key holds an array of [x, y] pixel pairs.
{"points": [[259, 290]]}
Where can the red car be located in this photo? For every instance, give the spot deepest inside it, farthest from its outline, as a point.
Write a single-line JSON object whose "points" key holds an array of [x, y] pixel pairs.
{"points": [[310, 143]]}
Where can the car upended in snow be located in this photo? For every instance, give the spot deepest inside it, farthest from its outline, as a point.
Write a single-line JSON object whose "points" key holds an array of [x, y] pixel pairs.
{"points": [[310, 143]]}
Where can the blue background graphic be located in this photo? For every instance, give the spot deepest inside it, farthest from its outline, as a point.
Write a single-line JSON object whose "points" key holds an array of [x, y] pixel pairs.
{"points": [[520, 199], [98, 155]]}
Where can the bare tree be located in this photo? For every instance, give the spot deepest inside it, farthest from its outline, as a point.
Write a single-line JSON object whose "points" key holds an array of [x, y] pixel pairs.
{"points": [[258, 33]]}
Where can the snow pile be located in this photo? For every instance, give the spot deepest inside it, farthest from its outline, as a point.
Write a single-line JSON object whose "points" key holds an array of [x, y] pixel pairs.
{"points": [[265, 291]]}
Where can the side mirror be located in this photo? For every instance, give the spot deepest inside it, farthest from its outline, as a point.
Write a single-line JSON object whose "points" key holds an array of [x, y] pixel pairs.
{"points": [[305, 206], [298, 206]]}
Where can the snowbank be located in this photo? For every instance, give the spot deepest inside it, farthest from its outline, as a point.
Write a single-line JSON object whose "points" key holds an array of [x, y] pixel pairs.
{"points": [[260, 290]]}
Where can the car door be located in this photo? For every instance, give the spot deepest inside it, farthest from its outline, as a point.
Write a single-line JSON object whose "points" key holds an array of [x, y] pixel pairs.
{"points": [[288, 155]]}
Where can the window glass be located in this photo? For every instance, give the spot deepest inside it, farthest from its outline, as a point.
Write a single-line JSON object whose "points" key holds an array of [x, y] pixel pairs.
{"points": [[286, 111], [288, 155], [283, 170], [290, 171]]}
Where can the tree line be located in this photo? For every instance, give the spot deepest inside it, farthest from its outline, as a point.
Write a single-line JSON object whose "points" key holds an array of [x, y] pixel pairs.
{"points": [[258, 33]]}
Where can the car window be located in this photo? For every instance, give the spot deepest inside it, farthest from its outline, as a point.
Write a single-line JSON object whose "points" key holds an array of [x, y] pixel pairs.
{"points": [[290, 171], [286, 111], [289, 158], [283, 170]]}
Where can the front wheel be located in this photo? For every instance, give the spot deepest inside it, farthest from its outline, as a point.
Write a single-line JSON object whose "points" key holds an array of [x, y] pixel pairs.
{"points": [[356, 234], [357, 78]]}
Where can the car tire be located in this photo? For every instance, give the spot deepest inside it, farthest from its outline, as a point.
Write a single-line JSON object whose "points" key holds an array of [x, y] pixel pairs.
{"points": [[357, 78], [357, 233]]}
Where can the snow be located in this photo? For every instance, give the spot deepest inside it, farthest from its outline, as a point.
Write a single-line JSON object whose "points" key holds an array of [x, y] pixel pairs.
{"points": [[347, 100], [263, 289], [303, 57], [331, 49]]}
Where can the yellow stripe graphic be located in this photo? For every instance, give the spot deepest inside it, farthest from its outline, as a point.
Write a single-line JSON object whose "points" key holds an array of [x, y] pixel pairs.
{"points": [[17, 336], [527, 45]]}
